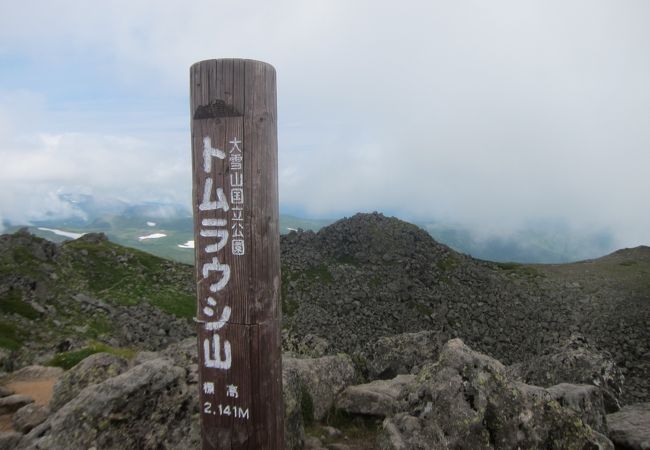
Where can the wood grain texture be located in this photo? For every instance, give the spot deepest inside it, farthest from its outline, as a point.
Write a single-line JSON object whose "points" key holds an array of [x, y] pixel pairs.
{"points": [[233, 104]]}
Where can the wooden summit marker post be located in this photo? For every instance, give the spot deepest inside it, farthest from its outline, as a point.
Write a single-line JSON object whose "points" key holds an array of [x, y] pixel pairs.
{"points": [[237, 242]]}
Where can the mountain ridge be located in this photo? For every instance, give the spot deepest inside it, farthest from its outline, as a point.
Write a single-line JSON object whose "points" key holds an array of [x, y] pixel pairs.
{"points": [[345, 286]]}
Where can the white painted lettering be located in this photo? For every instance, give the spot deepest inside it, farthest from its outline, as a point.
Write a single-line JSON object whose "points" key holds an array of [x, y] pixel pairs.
{"points": [[209, 152], [212, 357], [215, 266], [209, 311], [207, 204], [222, 234]]}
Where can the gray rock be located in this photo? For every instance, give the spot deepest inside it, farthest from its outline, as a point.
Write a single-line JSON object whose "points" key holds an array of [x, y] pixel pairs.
{"points": [[575, 361], [406, 432], [310, 345], [147, 407], [585, 400], [477, 406], [183, 353], [6, 391], [630, 427], [29, 416], [9, 440], [92, 370], [379, 398], [393, 355], [292, 392], [323, 378], [312, 443], [13, 403]]}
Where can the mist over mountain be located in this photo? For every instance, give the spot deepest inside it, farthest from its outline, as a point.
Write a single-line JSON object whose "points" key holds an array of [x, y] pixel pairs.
{"points": [[127, 223]]}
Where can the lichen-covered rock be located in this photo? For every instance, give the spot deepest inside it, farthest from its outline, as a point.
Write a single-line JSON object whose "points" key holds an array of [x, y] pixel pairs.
{"points": [[586, 400], [399, 354], [29, 416], [294, 434], [13, 403], [630, 427], [323, 378], [477, 406], [308, 346], [379, 398], [406, 432], [92, 370], [575, 361], [147, 407]]}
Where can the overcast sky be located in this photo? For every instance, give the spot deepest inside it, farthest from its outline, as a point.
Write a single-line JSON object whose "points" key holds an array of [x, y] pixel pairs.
{"points": [[490, 114]]}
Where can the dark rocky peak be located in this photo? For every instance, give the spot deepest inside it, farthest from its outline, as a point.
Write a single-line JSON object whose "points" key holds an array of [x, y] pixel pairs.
{"points": [[24, 245], [93, 238], [376, 238]]}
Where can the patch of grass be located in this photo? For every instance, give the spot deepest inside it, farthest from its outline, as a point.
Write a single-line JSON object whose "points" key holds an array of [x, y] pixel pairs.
{"points": [[10, 337], [129, 276], [12, 303], [628, 263], [425, 310], [348, 259], [99, 326], [517, 268], [447, 263], [178, 303], [67, 360], [375, 281], [289, 306], [320, 272]]}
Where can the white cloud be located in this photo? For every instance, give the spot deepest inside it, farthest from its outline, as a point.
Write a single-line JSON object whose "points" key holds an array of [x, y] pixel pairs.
{"points": [[486, 113]]}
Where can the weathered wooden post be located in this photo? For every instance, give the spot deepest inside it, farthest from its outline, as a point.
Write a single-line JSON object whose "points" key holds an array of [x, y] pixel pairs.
{"points": [[236, 235]]}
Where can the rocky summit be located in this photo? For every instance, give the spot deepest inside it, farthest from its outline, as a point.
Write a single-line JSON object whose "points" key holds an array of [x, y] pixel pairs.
{"points": [[369, 277], [391, 341]]}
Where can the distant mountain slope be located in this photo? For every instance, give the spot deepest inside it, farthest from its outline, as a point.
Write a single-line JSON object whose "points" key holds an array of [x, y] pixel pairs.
{"points": [[147, 229], [61, 297], [350, 283]]}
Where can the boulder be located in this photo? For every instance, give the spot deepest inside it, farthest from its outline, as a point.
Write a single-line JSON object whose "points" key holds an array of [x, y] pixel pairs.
{"points": [[29, 416], [312, 443], [13, 403], [406, 432], [586, 400], [9, 440], [630, 427], [379, 398], [478, 406], [400, 354], [92, 370], [322, 378], [147, 407], [575, 361]]}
